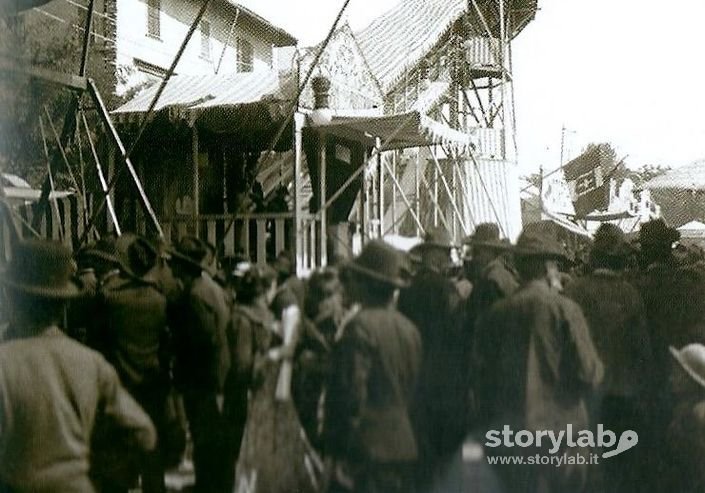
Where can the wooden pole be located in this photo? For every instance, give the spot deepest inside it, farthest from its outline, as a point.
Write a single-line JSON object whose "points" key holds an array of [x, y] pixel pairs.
{"points": [[439, 173], [115, 138], [101, 177], [196, 179], [299, 121], [322, 198], [417, 186], [380, 170], [363, 200], [394, 193]]}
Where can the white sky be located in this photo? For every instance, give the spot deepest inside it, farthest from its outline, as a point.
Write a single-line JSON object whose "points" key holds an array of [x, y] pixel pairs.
{"points": [[629, 72]]}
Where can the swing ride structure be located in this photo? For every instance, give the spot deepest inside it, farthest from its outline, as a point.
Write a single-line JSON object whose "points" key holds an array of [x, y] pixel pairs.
{"points": [[440, 149]]}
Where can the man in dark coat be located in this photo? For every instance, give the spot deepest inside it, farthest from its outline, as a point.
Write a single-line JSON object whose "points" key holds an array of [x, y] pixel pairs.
{"points": [[432, 303], [54, 392], [494, 279], [199, 321], [685, 437], [536, 357], [674, 296], [132, 334], [616, 316], [368, 432]]}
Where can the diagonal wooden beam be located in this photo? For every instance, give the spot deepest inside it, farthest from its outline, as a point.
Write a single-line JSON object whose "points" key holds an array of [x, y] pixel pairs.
{"points": [[451, 197]]}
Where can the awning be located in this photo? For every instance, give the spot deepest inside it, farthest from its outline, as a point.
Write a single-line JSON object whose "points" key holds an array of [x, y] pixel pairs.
{"points": [[411, 129], [190, 96], [567, 225]]}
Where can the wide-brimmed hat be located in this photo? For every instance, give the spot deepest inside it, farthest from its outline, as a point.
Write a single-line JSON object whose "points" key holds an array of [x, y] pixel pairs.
{"points": [[380, 261], [657, 232], [42, 268], [435, 237], [104, 250], [610, 241], [189, 251], [136, 254], [486, 235], [534, 242], [692, 360]]}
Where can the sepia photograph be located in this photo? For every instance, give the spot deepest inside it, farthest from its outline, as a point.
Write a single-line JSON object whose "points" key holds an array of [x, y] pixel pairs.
{"points": [[352, 246]]}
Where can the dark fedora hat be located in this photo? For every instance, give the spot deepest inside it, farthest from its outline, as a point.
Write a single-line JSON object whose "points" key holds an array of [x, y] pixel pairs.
{"points": [[537, 242], [104, 250], [190, 251], [42, 268], [380, 262], [657, 232], [610, 241], [486, 235], [136, 254], [436, 237]]}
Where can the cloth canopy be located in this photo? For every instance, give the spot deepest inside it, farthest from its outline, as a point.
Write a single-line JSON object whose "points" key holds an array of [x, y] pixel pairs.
{"points": [[195, 95], [411, 129]]}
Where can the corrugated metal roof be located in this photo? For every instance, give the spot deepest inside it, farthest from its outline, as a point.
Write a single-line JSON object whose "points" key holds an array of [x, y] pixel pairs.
{"points": [[194, 92], [689, 177]]}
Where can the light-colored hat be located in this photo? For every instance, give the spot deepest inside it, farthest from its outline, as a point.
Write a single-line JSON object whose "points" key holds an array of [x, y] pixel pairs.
{"points": [[692, 360]]}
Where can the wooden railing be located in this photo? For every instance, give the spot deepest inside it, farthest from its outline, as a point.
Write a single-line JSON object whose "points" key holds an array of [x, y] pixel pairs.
{"points": [[261, 237]]}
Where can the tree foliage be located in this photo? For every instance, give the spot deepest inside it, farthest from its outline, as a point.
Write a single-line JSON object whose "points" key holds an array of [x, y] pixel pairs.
{"points": [[43, 41]]}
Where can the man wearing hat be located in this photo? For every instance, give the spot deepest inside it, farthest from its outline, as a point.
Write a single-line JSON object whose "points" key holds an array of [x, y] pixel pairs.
{"points": [[132, 334], [674, 296], [199, 321], [54, 392], [368, 433], [685, 448], [495, 277], [537, 365], [615, 314], [432, 303]]}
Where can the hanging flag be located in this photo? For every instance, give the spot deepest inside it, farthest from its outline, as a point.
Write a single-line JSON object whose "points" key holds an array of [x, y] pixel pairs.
{"points": [[586, 180]]}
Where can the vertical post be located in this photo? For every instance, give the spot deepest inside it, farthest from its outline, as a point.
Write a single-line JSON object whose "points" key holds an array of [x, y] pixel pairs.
{"points": [[322, 196], [363, 201], [435, 197], [299, 120], [394, 193], [417, 185], [195, 184], [456, 217], [380, 170]]}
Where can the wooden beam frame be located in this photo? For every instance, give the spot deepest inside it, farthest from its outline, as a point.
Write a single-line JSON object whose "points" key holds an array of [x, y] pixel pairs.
{"points": [[451, 196], [101, 177]]}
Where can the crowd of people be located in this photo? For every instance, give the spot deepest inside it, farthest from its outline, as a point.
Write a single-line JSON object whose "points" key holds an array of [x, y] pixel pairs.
{"points": [[368, 376]]}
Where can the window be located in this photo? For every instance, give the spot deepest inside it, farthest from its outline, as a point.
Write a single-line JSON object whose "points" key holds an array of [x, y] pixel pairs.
{"points": [[205, 39], [154, 18], [245, 55]]}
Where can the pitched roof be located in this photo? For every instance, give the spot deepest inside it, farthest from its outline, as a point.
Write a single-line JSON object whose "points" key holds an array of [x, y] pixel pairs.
{"points": [[689, 177], [400, 37], [281, 37], [397, 40]]}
